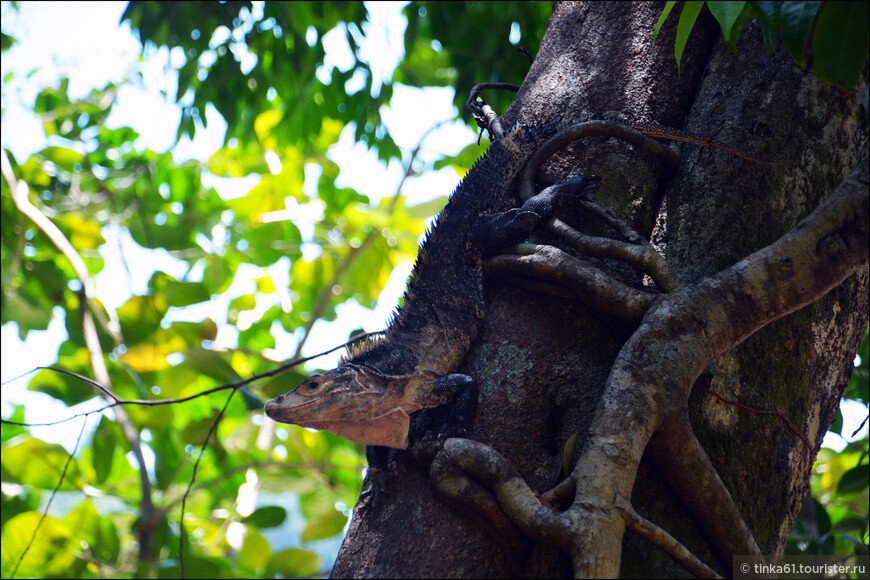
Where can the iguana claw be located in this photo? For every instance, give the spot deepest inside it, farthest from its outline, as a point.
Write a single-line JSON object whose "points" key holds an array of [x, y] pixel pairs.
{"points": [[378, 488], [449, 431], [499, 230]]}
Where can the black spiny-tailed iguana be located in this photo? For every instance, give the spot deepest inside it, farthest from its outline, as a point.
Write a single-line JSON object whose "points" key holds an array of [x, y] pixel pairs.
{"points": [[370, 396]]}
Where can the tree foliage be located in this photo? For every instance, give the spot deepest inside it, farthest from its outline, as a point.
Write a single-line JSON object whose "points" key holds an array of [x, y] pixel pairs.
{"points": [[261, 66], [836, 30]]}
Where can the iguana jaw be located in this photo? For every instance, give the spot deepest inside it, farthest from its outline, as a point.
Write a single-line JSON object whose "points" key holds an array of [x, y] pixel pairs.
{"points": [[390, 430], [351, 401]]}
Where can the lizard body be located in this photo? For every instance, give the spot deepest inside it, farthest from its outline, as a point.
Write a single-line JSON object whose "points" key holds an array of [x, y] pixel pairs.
{"points": [[370, 396], [372, 393]]}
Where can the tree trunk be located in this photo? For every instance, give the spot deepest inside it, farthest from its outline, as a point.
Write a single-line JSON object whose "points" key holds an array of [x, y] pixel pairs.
{"points": [[544, 363]]}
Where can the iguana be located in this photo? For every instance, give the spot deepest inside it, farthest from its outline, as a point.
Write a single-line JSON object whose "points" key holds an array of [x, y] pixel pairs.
{"points": [[372, 393], [370, 396]]}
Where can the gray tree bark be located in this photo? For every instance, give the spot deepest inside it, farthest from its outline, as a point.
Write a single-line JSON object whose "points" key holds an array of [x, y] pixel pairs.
{"points": [[550, 367]]}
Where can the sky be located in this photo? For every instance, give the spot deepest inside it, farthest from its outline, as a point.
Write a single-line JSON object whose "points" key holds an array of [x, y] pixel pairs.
{"points": [[84, 42]]}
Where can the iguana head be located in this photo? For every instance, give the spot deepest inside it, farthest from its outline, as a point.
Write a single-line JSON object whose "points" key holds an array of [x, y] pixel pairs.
{"points": [[351, 401]]}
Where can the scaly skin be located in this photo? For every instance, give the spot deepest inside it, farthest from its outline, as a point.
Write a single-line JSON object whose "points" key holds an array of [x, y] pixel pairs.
{"points": [[370, 396]]}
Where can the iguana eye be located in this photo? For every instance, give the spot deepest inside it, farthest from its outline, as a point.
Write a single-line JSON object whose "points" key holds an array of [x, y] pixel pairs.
{"points": [[313, 385]]}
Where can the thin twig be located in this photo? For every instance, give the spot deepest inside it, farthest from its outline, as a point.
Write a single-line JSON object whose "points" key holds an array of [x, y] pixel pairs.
{"points": [[755, 411], [50, 499], [150, 403], [193, 479]]}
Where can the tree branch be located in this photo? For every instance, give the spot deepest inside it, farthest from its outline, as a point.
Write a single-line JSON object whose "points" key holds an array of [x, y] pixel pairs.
{"points": [[683, 464], [592, 286], [460, 458], [687, 329], [649, 531], [586, 130]]}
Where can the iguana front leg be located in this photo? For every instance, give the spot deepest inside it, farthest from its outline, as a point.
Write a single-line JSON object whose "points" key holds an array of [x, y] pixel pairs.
{"points": [[462, 389], [377, 474], [503, 229]]}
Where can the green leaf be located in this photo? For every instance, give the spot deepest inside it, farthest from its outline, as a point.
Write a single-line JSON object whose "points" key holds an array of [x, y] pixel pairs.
{"points": [[726, 14], [856, 479], [667, 10], [326, 526], [140, 317], [62, 157], [151, 417], [860, 547], [196, 566], [797, 19], [768, 11], [265, 285], [6, 43], [688, 16], [256, 552], [178, 294], [167, 456], [823, 520], [99, 535], [424, 66], [849, 523], [83, 235], [68, 389], [239, 305], [193, 333], [264, 124], [266, 517], [104, 448], [210, 364], [841, 43], [294, 563], [743, 19], [346, 456], [218, 275], [258, 336], [859, 383], [26, 312], [39, 464], [320, 502], [49, 554], [769, 29], [11, 431], [837, 424], [251, 400], [108, 545], [13, 505]]}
